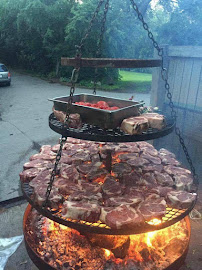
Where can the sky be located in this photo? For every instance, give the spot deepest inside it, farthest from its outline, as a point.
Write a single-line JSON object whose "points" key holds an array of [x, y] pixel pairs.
{"points": [[153, 3]]}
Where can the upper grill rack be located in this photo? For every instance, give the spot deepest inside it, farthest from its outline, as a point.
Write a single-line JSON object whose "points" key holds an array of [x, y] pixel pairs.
{"points": [[172, 216], [94, 133]]}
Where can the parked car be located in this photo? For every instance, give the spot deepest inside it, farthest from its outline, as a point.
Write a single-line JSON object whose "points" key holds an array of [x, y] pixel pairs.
{"points": [[5, 76]]}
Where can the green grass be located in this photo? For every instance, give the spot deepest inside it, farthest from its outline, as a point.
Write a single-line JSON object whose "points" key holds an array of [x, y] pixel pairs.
{"points": [[134, 81], [129, 82]]}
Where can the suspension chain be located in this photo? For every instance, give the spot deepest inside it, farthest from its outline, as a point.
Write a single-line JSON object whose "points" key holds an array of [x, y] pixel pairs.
{"points": [[80, 46], [164, 75], [55, 170], [74, 78], [99, 47]]}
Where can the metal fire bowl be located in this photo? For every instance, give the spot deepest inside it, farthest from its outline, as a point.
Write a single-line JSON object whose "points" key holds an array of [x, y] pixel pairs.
{"points": [[43, 265], [102, 118]]}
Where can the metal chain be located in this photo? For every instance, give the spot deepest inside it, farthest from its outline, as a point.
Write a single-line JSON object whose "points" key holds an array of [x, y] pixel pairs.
{"points": [[164, 74], [74, 78], [99, 47], [80, 46], [102, 30], [54, 171]]}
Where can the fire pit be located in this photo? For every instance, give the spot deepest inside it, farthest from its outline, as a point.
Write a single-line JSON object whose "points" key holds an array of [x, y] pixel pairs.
{"points": [[54, 246]]}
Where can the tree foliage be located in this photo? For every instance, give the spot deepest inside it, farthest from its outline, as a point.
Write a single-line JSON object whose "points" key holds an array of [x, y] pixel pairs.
{"points": [[34, 34]]}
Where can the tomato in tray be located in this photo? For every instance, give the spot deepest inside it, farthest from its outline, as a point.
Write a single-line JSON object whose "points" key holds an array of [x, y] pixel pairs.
{"points": [[99, 105]]}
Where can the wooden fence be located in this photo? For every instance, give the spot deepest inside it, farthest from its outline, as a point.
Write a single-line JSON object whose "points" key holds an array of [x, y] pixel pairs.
{"points": [[184, 66]]}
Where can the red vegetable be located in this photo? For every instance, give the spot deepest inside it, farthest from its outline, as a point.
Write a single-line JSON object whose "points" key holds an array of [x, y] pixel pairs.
{"points": [[100, 105]]}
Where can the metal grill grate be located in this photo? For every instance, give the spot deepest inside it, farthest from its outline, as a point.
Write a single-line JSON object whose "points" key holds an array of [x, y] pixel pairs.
{"points": [[172, 216], [94, 133]]}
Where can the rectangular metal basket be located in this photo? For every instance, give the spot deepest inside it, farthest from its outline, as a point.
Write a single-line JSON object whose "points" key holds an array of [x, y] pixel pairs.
{"points": [[102, 118]]}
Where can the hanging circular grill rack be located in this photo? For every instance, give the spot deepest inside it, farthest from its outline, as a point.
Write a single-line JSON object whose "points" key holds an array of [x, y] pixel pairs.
{"points": [[94, 133], [171, 217]]}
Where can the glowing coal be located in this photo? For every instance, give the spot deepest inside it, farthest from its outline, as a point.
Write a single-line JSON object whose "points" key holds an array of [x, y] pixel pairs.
{"points": [[65, 248]]}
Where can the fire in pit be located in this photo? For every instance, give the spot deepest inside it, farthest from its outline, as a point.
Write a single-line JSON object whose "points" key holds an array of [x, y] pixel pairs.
{"points": [[54, 246]]}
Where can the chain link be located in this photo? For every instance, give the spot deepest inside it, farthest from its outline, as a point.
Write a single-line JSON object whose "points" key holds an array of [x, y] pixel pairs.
{"points": [[74, 78], [54, 171], [80, 46], [99, 47], [164, 74]]}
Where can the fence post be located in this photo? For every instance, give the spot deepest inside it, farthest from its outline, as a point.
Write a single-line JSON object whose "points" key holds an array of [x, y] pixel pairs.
{"points": [[158, 85]]}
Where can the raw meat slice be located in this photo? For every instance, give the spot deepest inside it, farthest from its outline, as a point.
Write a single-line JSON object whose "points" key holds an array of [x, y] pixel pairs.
{"points": [[66, 186], [91, 187], [130, 179], [81, 210], [73, 140], [55, 148], [43, 157], [121, 217], [70, 152], [133, 201], [46, 149], [172, 170], [60, 115], [165, 152], [95, 158], [70, 172], [121, 168], [29, 174], [74, 120], [107, 147], [163, 191], [168, 160], [153, 207], [37, 163], [137, 162], [150, 178], [126, 156], [80, 157], [134, 192], [40, 196], [180, 199], [155, 120], [93, 149], [41, 178], [135, 125], [86, 168], [145, 146], [152, 168], [152, 159], [111, 187], [66, 160], [164, 179], [86, 196], [96, 173], [183, 182]]}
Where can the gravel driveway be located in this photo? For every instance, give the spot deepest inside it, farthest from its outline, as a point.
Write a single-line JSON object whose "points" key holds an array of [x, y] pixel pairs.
{"points": [[24, 111]]}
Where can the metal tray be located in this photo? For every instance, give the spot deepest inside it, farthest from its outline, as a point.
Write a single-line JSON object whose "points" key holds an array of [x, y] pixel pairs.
{"points": [[101, 118]]}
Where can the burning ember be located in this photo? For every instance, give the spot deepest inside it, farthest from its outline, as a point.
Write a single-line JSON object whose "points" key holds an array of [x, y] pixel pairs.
{"points": [[65, 248]]}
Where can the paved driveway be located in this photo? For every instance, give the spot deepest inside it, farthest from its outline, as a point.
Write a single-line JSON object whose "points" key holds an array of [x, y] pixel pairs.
{"points": [[24, 111]]}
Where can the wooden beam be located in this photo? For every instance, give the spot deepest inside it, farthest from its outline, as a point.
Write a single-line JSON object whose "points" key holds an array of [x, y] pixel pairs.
{"points": [[110, 62]]}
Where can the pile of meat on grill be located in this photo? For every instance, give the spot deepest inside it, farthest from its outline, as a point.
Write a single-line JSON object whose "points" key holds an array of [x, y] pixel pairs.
{"points": [[141, 184]]}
